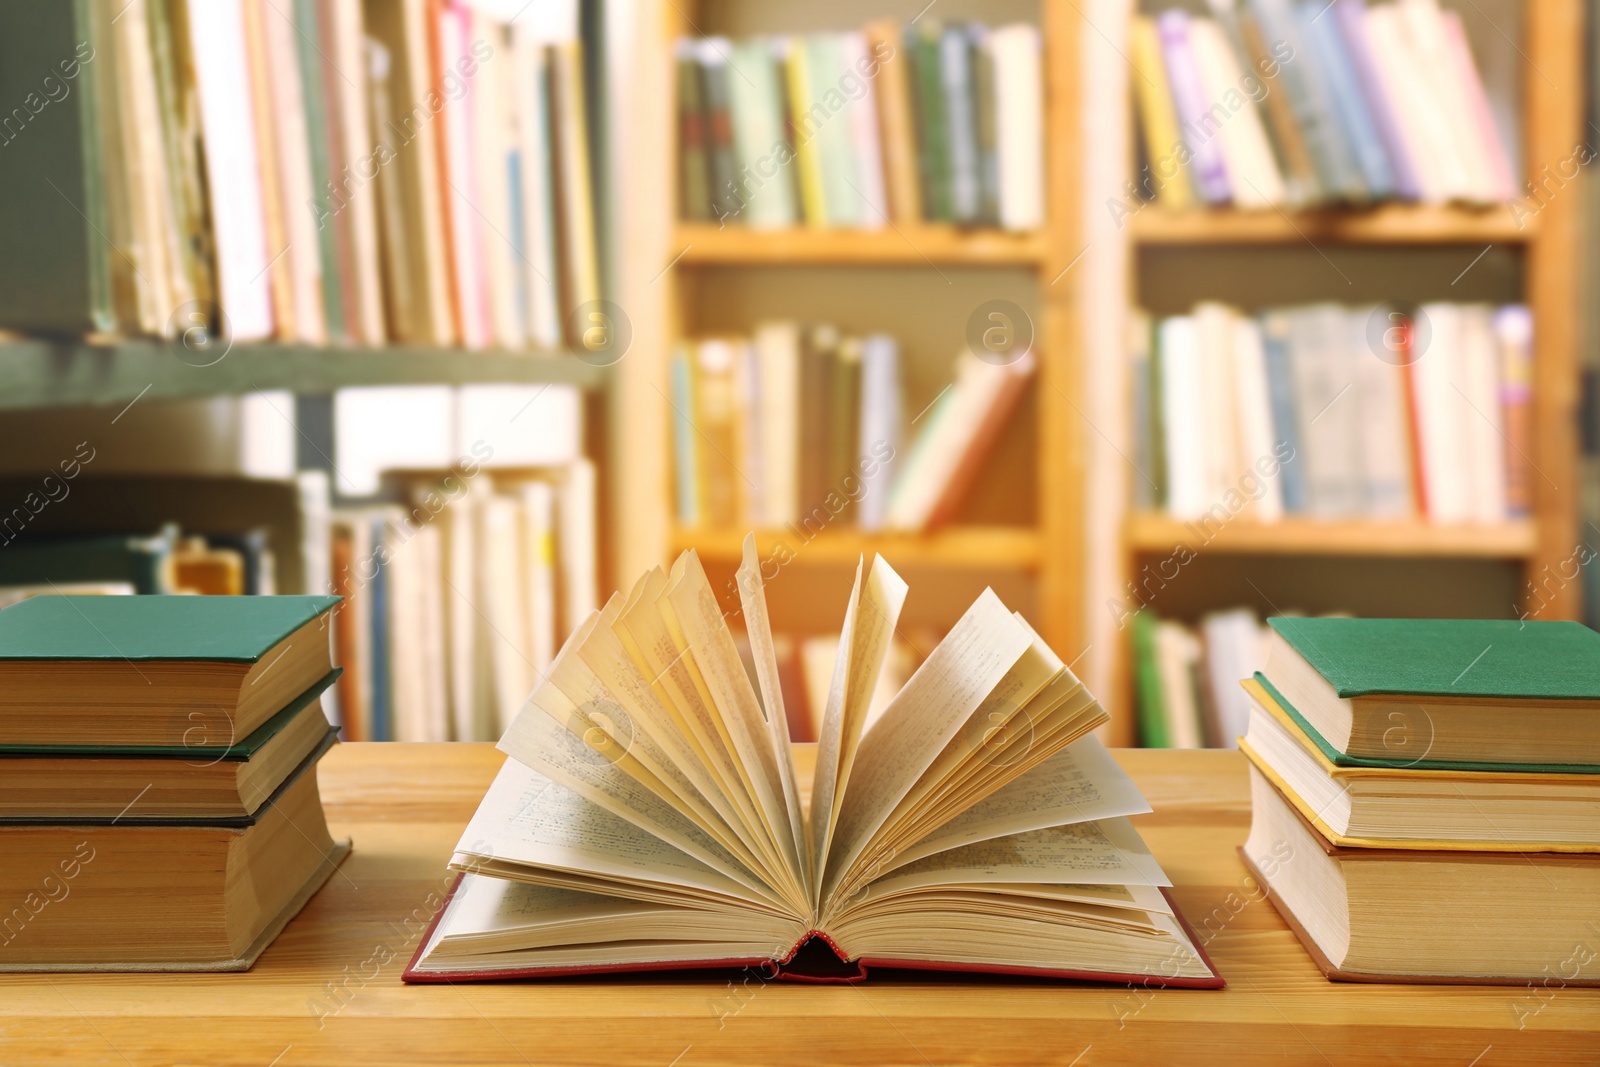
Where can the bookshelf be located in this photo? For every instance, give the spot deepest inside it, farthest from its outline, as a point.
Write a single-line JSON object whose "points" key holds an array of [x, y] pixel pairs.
{"points": [[680, 279], [1382, 566]]}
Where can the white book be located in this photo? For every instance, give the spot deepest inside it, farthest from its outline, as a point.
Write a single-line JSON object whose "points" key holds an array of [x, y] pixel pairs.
{"points": [[493, 139], [532, 96], [1379, 397], [881, 416], [1019, 127], [1253, 173], [1235, 646], [407, 675], [1219, 396], [429, 545], [1254, 403], [539, 550], [747, 387], [577, 544], [502, 587], [1433, 60], [1182, 381], [1477, 383], [777, 346], [1439, 411], [295, 185], [864, 139], [1328, 411], [1440, 175], [1177, 659], [766, 186], [466, 635], [233, 170]]}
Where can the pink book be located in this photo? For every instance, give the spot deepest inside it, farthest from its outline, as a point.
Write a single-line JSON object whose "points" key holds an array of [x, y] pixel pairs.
{"points": [[1478, 103], [466, 225]]}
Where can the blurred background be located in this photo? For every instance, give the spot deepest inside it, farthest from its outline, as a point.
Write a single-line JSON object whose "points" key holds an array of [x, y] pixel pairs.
{"points": [[1156, 318]]}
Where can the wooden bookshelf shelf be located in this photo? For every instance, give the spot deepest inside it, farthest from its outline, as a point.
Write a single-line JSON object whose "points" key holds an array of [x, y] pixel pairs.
{"points": [[1389, 224], [36, 373], [896, 245], [985, 547], [1148, 533]]}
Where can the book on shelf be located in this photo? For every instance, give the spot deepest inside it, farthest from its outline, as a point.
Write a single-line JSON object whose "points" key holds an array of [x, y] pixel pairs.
{"points": [[455, 597], [1332, 412], [889, 124], [314, 171], [1267, 103], [976, 826], [159, 808], [1186, 678], [801, 426]]}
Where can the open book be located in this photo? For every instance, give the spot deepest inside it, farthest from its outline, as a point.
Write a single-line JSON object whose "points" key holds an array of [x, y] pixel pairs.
{"points": [[654, 814]]}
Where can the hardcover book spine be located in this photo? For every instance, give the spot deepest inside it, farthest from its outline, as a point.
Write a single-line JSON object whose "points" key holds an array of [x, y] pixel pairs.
{"points": [[694, 181], [1188, 92]]}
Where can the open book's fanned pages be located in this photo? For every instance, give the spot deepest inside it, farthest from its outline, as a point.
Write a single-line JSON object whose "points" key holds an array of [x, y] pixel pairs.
{"points": [[654, 815]]}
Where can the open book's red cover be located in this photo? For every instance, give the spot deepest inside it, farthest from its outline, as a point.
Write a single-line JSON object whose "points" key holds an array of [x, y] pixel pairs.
{"points": [[805, 963]]}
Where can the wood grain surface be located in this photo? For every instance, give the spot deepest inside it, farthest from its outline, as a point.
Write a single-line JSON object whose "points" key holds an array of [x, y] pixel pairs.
{"points": [[329, 991]]}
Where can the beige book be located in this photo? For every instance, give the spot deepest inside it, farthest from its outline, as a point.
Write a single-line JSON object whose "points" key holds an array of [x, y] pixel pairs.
{"points": [[273, 207], [357, 180], [302, 261], [654, 812]]}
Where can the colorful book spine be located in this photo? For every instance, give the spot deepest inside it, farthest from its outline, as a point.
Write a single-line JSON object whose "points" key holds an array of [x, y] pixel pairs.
{"points": [[1189, 96]]}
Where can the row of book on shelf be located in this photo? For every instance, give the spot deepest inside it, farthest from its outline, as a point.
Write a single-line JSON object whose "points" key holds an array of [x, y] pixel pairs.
{"points": [[1425, 798], [1296, 103], [801, 425], [147, 744], [457, 597], [930, 121], [1335, 412], [320, 170]]}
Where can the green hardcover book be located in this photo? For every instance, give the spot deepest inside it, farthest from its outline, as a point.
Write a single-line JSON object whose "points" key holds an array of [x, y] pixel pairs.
{"points": [[694, 181], [55, 276], [933, 148], [112, 670], [1494, 691], [1147, 679], [308, 30], [142, 563], [841, 196]]}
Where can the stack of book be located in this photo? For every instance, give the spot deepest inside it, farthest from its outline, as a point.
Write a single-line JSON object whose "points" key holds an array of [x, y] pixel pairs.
{"points": [[1271, 103], [318, 170], [1334, 412], [802, 427], [888, 124], [1187, 678], [158, 787], [1426, 796], [655, 813]]}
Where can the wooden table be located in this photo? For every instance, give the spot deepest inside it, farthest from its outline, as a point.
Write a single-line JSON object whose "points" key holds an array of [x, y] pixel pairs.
{"points": [[329, 990]]}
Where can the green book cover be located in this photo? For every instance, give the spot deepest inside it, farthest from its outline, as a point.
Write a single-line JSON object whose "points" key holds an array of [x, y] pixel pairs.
{"points": [[694, 174], [238, 752], [933, 149], [233, 629], [142, 562], [1147, 679], [1340, 759], [1501, 659], [55, 275]]}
